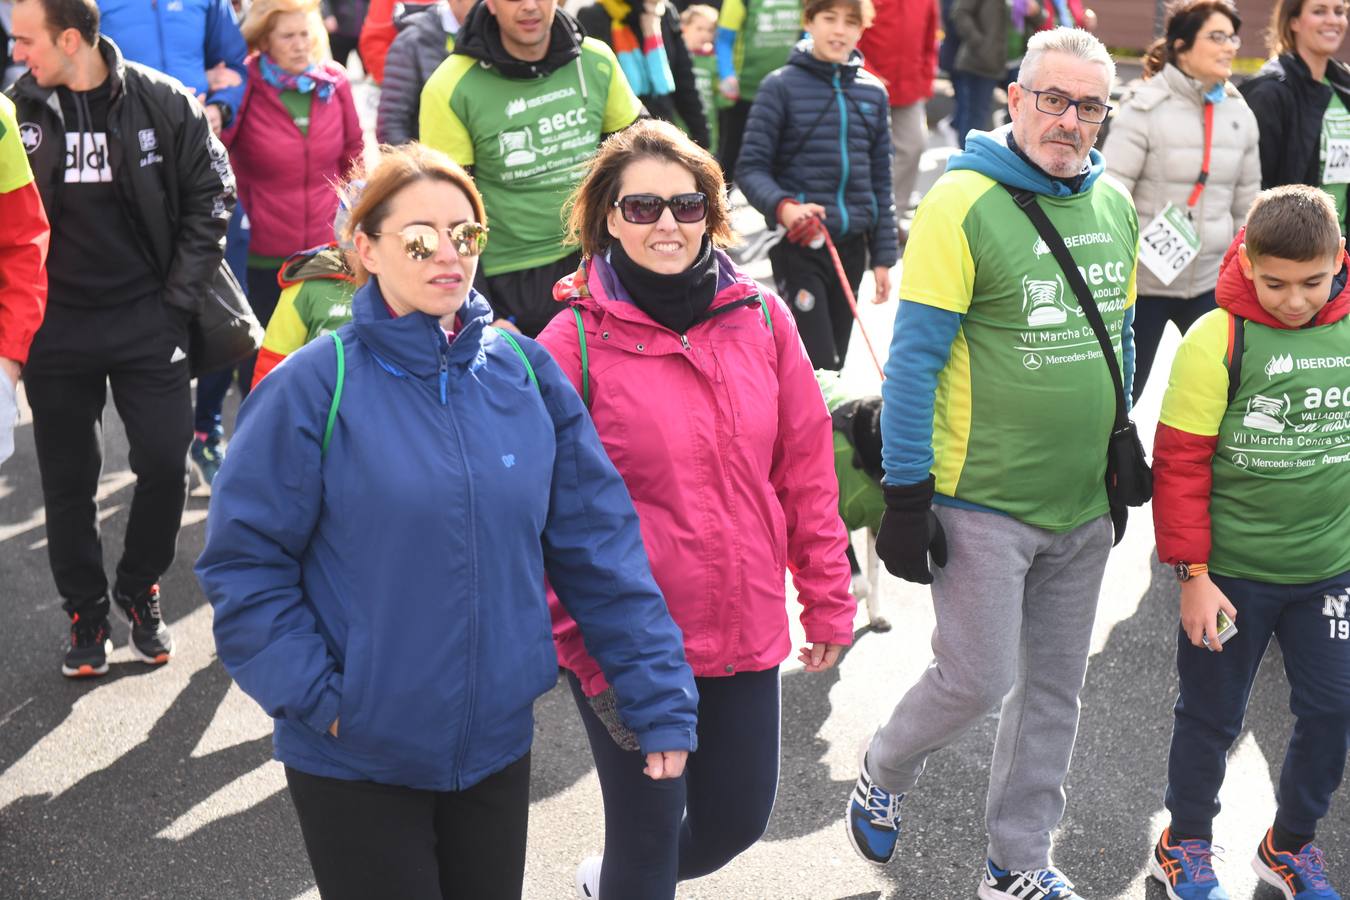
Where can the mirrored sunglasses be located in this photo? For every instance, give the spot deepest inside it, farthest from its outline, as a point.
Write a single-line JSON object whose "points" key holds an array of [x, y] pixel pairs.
{"points": [[422, 241]]}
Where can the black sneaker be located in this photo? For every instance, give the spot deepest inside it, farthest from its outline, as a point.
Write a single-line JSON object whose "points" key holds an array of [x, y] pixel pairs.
{"points": [[90, 644], [150, 639]]}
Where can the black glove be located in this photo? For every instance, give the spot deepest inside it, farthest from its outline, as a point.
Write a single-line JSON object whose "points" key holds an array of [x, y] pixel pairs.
{"points": [[910, 532]]}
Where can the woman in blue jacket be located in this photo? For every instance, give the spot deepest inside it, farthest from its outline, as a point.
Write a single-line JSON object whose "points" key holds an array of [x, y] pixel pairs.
{"points": [[379, 589]]}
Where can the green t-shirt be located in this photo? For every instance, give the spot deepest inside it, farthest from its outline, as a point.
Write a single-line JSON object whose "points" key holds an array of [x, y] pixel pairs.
{"points": [[1025, 403], [705, 82], [766, 32], [298, 105], [529, 142], [1280, 504], [1334, 153]]}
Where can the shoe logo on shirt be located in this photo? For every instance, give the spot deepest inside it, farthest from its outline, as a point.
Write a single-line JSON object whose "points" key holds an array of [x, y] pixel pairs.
{"points": [[178, 355], [87, 159], [30, 135], [509, 460]]}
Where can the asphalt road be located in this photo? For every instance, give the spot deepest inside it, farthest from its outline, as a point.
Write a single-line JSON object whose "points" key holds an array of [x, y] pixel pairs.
{"points": [[160, 784]]}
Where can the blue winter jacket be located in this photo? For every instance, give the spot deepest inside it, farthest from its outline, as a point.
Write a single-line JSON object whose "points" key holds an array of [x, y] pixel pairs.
{"points": [[820, 132], [182, 38], [396, 583]]}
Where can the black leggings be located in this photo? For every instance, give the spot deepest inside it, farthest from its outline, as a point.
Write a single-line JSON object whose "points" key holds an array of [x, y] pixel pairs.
{"points": [[809, 283], [658, 832], [378, 840]]}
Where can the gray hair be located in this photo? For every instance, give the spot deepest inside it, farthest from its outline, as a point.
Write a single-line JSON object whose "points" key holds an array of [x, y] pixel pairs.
{"points": [[1071, 42]]}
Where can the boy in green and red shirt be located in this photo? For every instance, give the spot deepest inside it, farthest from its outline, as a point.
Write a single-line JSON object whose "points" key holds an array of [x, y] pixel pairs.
{"points": [[1252, 479]]}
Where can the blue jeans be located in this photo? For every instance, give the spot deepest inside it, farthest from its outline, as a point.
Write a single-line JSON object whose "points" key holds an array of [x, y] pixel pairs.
{"points": [[1314, 635], [660, 832], [974, 101]]}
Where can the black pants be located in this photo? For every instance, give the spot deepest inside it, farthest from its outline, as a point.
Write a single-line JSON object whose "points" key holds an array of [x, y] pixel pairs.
{"points": [[343, 46], [1310, 622], [730, 131], [368, 840], [137, 348], [808, 281], [1151, 315], [526, 296], [658, 832]]}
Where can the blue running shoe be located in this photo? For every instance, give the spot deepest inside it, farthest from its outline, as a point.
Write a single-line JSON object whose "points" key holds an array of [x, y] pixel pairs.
{"points": [[1299, 876], [1032, 884], [1186, 869], [206, 457], [873, 818]]}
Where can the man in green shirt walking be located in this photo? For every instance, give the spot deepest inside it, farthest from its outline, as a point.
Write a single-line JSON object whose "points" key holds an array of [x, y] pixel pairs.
{"points": [[525, 100]]}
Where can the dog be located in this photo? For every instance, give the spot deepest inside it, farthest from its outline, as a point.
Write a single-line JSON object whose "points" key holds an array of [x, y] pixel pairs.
{"points": [[857, 464]]}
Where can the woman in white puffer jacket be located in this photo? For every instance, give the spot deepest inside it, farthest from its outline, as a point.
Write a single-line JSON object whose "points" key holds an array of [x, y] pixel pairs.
{"points": [[1156, 148]]}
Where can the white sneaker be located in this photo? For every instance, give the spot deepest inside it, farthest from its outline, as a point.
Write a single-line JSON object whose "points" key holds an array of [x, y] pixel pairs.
{"points": [[588, 877]]}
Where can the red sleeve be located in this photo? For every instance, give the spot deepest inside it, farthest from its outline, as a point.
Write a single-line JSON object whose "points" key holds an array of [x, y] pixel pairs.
{"points": [[24, 234], [267, 361], [1183, 476], [376, 35], [930, 45]]}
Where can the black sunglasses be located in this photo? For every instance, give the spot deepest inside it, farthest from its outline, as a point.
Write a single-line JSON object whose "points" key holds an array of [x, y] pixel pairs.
{"points": [[644, 209], [422, 241]]}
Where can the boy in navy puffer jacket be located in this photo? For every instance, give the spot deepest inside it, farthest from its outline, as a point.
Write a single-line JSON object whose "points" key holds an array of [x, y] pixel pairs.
{"points": [[817, 157]]}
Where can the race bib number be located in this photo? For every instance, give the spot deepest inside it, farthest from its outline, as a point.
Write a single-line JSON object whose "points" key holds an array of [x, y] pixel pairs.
{"points": [[1168, 244], [1336, 167]]}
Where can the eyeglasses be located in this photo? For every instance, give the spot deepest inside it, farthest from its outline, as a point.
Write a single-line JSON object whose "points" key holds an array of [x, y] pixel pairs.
{"points": [[644, 209], [1224, 37], [1090, 112], [422, 241]]}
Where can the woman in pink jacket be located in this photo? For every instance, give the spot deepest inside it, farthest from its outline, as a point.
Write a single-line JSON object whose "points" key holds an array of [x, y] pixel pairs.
{"points": [[705, 400], [294, 136]]}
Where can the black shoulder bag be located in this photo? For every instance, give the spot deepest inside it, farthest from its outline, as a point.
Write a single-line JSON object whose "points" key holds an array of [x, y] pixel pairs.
{"points": [[1129, 482]]}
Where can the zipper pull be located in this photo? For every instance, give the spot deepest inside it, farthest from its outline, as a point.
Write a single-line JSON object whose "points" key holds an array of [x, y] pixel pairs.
{"points": [[684, 340], [445, 373]]}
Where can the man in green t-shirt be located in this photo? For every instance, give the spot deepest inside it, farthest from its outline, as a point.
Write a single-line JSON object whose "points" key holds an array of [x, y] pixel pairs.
{"points": [[525, 100], [997, 408]]}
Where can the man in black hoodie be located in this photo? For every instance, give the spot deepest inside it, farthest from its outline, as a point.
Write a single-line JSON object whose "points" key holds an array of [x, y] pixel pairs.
{"points": [[138, 191], [525, 100]]}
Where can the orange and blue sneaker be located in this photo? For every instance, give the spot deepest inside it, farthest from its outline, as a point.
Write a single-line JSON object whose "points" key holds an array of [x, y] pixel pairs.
{"points": [[1186, 869], [1299, 876]]}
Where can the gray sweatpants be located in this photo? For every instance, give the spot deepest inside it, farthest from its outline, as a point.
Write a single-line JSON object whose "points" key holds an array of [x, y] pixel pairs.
{"points": [[1014, 608]]}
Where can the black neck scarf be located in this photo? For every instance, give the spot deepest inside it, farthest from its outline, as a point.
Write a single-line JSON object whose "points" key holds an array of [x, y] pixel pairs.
{"points": [[677, 301]]}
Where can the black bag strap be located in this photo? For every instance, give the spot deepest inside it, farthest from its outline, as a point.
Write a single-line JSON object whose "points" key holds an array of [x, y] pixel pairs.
{"points": [[1026, 201], [1237, 337]]}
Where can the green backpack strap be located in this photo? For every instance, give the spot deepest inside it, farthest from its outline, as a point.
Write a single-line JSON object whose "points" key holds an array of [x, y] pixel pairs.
{"points": [[337, 392], [585, 364], [764, 308], [515, 345]]}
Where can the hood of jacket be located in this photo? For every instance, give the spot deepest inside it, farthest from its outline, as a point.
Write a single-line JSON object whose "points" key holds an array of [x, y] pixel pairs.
{"points": [[1237, 293], [596, 286], [988, 153], [324, 261], [28, 88], [802, 57], [414, 344], [480, 37]]}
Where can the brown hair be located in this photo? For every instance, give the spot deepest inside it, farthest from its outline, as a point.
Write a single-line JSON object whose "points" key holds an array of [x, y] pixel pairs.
{"points": [[863, 9], [1184, 21], [262, 17], [370, 194], [1294, 222], [589, 206], [82, 15]]}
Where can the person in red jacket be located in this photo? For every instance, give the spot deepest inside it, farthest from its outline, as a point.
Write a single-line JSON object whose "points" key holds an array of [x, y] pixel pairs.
{"points": [[901, 49], [378, 33], [1251, 476], [296, 134], [23, 275]]}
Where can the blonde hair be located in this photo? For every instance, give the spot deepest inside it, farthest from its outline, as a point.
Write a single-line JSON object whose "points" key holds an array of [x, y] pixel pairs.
{"points": [[369, 194], [698, 11], [262, 17]]}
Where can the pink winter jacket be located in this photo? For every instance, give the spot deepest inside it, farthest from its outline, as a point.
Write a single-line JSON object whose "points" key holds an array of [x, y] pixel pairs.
{"points": [[725, 443], [286, 178]]}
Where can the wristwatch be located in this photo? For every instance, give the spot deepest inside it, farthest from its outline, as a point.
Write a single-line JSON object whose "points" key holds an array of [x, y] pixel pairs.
{"points": [[1187, 571]]}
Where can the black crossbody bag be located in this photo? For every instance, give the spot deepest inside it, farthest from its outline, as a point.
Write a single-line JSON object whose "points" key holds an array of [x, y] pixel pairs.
{"points": [[1129, 481]]}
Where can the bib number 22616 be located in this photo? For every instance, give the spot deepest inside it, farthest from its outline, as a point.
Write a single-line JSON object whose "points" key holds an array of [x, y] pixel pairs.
{"points": [[1168, 244]]}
